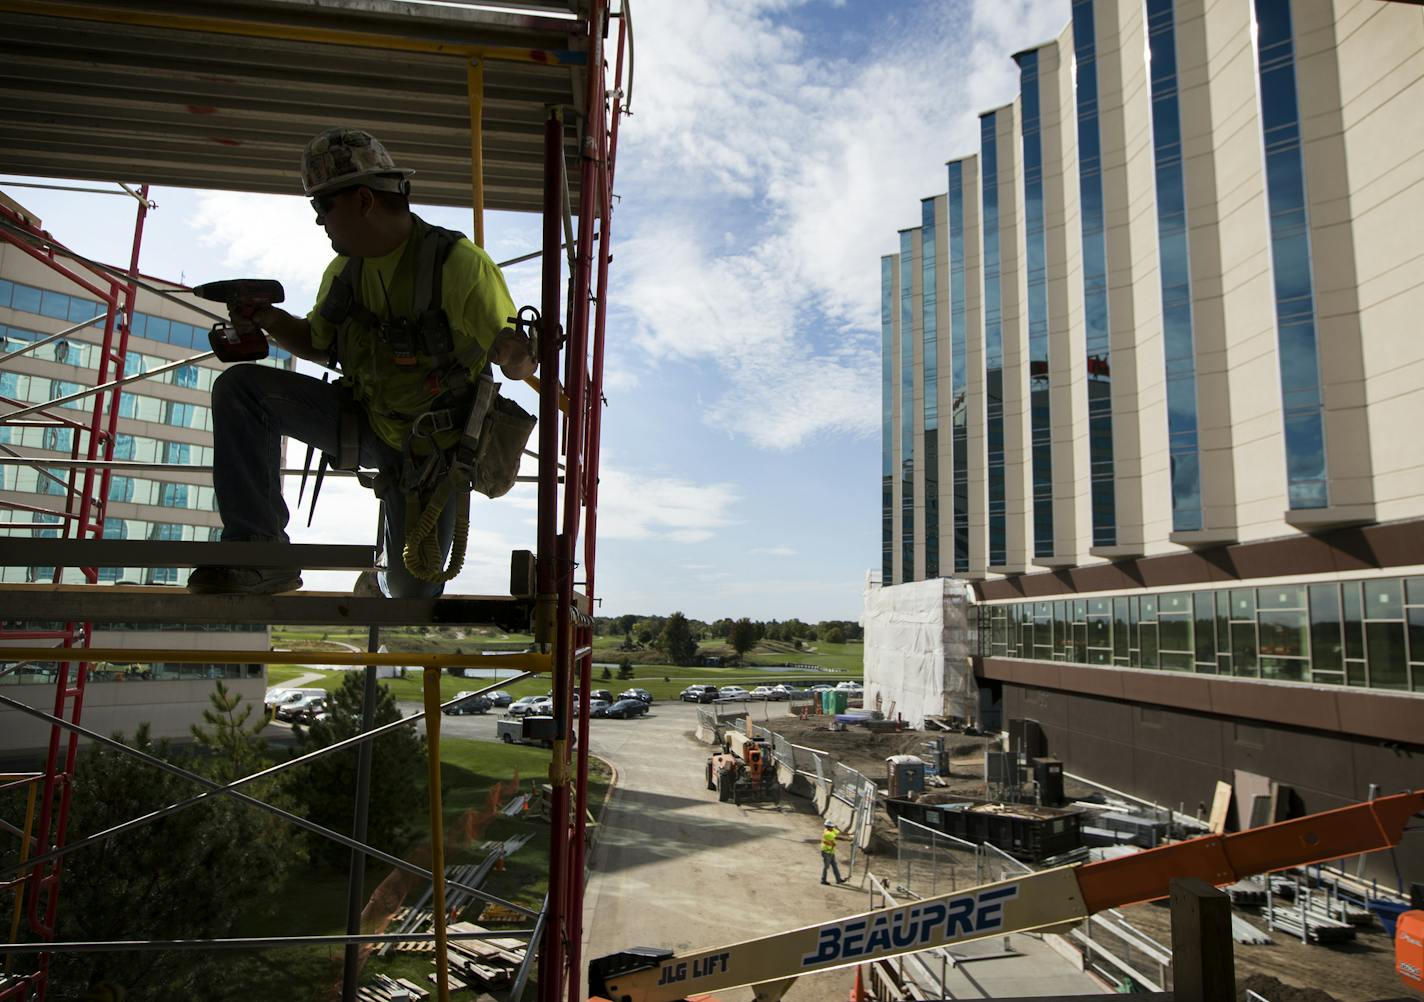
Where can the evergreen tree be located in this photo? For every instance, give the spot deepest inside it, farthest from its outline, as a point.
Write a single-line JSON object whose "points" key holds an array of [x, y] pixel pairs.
{"points": [[326, 786]]}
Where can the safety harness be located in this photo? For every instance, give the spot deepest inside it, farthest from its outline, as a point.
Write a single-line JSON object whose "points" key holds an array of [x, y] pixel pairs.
{"points": [[461, 434]]}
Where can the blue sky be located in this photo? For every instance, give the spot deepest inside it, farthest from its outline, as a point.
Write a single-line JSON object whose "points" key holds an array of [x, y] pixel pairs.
{"points": [[774, 149]]}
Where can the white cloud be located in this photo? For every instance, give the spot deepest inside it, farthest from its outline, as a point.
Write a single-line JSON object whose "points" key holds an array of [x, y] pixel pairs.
{"points": [[827, 159], [773, 551], [633, 506], [267, 236]]}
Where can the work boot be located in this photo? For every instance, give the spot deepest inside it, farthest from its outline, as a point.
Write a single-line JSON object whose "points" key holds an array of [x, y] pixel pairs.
{"points": [[211, 580]]}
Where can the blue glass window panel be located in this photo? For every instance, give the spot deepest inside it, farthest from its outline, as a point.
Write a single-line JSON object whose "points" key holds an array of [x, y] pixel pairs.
{"points": [[176, 452], [120, 488], [9, 385], [128, 405], [123, 446], [887, 430], [6, 289], [173, 495], [186, 375], [139, 326], [25, 298], [115, 528], [178, 415], [157, 329], [1292, 266], [55, 305]]}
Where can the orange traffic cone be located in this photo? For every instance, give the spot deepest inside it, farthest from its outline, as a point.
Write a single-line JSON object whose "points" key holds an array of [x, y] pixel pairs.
{"points": [[857, 993]]}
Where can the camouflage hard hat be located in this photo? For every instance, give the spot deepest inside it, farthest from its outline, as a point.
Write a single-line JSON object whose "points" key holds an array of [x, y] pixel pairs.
{"points": [[343, 157]]}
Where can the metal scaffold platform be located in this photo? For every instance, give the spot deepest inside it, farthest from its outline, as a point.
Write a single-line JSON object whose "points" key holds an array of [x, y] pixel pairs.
{"points": [[513, 106]]}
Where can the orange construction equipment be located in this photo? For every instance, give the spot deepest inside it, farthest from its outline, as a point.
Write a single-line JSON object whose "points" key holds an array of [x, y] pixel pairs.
{"points": [[743, 772]]}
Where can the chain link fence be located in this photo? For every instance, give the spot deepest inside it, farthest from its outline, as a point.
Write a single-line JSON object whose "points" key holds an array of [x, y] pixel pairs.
{"points": [[929, 863]]}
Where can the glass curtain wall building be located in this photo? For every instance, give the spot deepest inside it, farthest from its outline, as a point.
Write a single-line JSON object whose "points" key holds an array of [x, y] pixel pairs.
{"points": [[1219, 565], [165, 423]]}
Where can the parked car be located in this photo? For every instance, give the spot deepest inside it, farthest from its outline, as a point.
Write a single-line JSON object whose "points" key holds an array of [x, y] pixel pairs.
{"points": [[788, 691], [732, 692], [499, 698], [530, 704], [625, 708], [642, 694], [821, 687], [699, 694], [598, 707], [310, 711], [849, 687], [290, 709], [474, 704], [278, 697], [600, 694]]}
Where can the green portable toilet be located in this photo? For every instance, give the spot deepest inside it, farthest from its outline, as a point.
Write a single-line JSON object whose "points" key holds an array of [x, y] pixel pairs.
{"points": [[841, 699], [828, 704]]}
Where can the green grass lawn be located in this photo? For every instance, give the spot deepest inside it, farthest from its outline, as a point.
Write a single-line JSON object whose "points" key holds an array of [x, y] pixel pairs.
{"points": [[834, 661], [314, 900]]}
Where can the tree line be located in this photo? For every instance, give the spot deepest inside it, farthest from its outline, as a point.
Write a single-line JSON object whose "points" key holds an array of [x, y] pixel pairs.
{"points": [[678, 636]]}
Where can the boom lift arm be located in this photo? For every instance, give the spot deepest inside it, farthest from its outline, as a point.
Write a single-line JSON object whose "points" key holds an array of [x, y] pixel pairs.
{"points": [[1034, 902]]}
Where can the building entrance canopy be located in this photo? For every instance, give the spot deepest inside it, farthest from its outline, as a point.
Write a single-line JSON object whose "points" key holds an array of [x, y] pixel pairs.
{"points": [[226, 94]]}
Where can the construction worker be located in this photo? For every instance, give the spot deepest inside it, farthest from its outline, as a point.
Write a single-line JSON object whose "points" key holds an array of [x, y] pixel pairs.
{"points": [[828, 854], [409, 369]]}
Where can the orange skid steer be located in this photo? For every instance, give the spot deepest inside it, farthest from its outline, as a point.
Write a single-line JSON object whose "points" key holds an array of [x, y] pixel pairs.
{"points": [[743, 772]]}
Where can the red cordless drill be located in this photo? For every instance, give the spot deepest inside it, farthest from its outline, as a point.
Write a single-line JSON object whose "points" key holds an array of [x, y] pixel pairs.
{"points": [[243, 296]]}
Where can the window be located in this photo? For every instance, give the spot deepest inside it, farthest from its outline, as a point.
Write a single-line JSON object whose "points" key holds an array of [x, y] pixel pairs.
{"points": [[907, 409], [186, 375], [1040, 416], [176, 452], [887, 420], [123, 446], [993, 340], [173, 495], [177, 414]]}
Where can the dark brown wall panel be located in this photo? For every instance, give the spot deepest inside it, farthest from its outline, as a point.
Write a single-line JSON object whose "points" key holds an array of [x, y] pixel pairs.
{"points": [[1175, 757]]}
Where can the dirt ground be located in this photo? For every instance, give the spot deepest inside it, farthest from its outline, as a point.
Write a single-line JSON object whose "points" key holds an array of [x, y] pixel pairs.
{"points": [[1283, 971], [1362, 971]]}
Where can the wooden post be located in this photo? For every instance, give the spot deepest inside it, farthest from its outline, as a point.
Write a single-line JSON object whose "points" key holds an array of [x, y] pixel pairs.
{"points": [[1203, 963]]}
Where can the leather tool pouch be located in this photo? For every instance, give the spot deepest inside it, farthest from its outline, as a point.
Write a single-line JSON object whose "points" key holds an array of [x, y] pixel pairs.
{"points": [[504, 435], [348, 436]]}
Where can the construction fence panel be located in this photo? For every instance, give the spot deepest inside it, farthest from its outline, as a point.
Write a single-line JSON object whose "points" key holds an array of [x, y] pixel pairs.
{"points": [[931, 862]]}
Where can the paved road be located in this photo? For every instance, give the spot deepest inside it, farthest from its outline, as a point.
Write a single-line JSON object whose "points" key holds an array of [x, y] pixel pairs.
{"points": [[675, 868]]}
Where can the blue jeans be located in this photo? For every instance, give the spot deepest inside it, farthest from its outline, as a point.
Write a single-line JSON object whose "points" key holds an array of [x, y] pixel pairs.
{"points": [[828, 865], [253, 407]]}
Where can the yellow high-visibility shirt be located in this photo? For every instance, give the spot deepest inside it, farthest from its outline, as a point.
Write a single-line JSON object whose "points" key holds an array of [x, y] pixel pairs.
{"points": [[828, 840], [477, 305]]}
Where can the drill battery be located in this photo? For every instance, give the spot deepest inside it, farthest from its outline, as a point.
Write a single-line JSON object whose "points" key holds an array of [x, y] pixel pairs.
{"points": [[243, 296]]}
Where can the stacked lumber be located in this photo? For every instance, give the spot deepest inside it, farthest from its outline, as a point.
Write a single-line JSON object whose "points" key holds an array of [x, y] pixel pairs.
{"points": [[488, 963], [384, 989]]}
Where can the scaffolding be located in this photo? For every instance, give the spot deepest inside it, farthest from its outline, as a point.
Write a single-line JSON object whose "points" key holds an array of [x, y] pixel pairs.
{"points": [[521, 103]]}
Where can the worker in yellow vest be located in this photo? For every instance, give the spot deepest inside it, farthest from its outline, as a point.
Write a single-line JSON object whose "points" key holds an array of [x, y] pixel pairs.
{"points": [[828, 854]]}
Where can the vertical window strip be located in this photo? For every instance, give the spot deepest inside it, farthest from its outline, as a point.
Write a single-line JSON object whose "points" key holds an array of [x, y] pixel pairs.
{"points": [[929, 299], [1298, 353], [959, 372], [1095, 279], [887, 420], [1039, 378], [993, 342], [907, 406], [1175, 271]]}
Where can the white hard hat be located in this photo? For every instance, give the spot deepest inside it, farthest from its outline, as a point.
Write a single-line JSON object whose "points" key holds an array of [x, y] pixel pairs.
{"points": [[344, 157]]}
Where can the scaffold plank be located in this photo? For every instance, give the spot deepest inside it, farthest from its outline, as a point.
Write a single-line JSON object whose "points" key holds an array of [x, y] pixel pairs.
{"points": [[22, 551], [125, 604]]}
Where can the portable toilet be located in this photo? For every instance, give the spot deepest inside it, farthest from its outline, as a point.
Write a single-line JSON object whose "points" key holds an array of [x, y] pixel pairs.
{"points": [[905, 774], [840, 700]]}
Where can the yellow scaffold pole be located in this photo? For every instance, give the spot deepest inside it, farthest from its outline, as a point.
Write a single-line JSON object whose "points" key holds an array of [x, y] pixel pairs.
{"points": [[437, 831], [32, 781], [531, 661]]}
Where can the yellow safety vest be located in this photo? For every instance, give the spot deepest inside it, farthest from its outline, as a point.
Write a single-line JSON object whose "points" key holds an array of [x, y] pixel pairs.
{"points": [[828, 840]]}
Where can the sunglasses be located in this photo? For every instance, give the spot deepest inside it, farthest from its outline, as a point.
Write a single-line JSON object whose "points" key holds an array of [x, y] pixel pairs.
{"points": [[323, 204]]}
